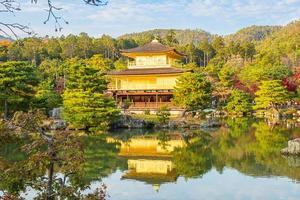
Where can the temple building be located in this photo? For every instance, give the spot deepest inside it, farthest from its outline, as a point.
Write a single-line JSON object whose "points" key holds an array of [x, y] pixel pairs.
{"points": [[150, 78]]}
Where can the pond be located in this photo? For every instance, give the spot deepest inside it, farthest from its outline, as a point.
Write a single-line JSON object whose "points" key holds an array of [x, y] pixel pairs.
{"points": [[239, 160]]}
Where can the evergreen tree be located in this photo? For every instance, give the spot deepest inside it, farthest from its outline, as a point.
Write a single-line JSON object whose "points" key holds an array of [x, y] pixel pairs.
{"points": [[85, 105], [87, 109], [171, 38], [17, 82], [53, 48], [98, 62], [226, 76], [238, 103], [270, 94], [192, 91], [46, 98]]}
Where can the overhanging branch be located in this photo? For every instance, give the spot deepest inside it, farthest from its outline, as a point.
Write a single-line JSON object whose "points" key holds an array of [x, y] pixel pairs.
{"points": [[96, 2], [12, 6]]}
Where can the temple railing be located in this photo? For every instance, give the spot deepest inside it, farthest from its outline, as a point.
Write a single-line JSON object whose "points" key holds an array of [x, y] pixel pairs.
{"points": [[151, 104], [134, 64]]}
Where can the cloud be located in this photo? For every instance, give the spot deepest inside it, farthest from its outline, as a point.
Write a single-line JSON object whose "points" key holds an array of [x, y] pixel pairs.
{"points": [[131, 11], [255, 9]]}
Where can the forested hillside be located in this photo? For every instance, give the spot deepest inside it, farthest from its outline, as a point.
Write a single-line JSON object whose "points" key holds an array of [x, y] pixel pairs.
{"points": [[183, 37], [252, 33]]}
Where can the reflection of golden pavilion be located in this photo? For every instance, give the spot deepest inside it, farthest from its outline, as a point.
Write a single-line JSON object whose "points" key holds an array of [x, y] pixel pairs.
{"points": [[151, 170], [150, 159], [142, 146], [151, 166]]}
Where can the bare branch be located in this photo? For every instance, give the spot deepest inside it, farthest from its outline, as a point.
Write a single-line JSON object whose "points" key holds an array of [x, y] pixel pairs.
{"points": [[8, 29], [57, 19], [96, 2], [9, 6], [12, 6]]}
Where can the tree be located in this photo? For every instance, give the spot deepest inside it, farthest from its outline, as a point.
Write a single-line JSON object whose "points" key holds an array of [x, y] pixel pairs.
{"points": [[226, 75], [69, 47], [51, 164], [120, 64], [85, 45], [53, 48], [163, 114], [84, 104], [106, 46], [51, 69], [192, 91], [208, 51], [247, 50], [270, 94], [233, 48], [219, 46], [17, 82], [253, 74], [46, 98], [15, 52], [4, 44], [171, 38], [88, 110], [33, 50], [82, 75], [98, 62], [238, 103]]}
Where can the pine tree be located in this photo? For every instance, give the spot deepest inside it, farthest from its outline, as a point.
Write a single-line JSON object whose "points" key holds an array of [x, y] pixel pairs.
{"points": [[270, 94], [238, 103], [192, 91], [17, 82], [84, 102]]}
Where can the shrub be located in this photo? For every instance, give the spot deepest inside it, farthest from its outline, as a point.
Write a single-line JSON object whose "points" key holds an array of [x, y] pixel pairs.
{"points": [[163, 114], [147, 112]]}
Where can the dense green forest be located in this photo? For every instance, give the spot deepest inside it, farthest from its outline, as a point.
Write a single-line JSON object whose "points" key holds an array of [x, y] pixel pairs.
{"points": [[43, 72], [252, 33], [183, 37]]}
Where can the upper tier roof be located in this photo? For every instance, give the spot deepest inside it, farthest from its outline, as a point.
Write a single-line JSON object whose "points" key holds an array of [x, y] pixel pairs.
{"points": [[152, 47]]}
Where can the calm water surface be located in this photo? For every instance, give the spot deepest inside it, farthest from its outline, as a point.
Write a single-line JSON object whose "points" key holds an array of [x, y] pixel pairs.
{"points": [[240, 160]]}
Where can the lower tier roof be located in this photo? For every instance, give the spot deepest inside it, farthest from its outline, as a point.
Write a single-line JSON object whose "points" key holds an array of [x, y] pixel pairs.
{"points": [[148, 71]]}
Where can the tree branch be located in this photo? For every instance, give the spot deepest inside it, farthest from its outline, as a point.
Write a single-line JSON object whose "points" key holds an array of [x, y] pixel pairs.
{"points": [[9, 6], [96, 2], [8, 29], [12, 6]]}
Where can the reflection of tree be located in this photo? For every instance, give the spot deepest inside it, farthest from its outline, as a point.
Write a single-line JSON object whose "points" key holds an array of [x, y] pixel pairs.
{"points": [[251, 148], [100, 158], [127, 134], [163, 138], [255, 153], [238, 126], [269, 140], [195, 159]]}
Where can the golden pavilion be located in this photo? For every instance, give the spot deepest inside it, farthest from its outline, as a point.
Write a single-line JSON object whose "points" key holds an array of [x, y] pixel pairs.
{"points": [[150, 78]]}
